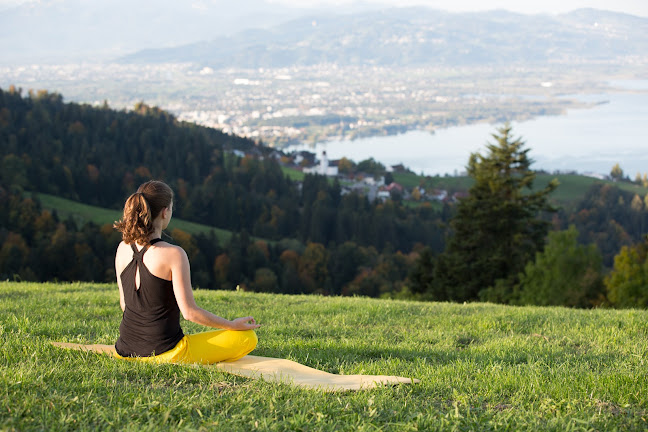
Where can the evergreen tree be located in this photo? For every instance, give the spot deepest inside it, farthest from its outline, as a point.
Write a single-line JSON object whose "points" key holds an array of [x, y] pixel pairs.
{"points": [[602, 217], [421, 277], [497, 229]]}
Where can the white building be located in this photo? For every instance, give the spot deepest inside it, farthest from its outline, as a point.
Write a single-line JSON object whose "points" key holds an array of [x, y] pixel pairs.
{"points": [[323, 168]]}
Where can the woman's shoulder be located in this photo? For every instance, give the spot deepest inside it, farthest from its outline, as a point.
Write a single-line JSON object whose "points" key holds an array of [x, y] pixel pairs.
{"points": [[168, 249], [123, 256], [122, 247]]}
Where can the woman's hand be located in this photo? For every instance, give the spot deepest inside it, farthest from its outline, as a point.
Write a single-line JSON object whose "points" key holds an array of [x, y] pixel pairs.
{"points": [[244, 323]]}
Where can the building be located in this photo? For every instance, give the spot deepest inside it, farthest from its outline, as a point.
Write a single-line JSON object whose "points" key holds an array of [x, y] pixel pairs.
{"points": [[324, 168]]}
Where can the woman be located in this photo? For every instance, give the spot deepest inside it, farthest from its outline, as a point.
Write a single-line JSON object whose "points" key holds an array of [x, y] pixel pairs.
{"points": [[155, 286]]}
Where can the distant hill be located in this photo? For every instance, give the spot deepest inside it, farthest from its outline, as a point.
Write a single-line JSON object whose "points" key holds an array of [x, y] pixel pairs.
{"points": [[57, 31], [75, 30], [422, 36]]}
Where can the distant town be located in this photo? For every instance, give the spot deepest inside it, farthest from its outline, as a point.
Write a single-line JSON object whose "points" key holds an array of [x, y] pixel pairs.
{"points": [[309, 104], [378, 184]]}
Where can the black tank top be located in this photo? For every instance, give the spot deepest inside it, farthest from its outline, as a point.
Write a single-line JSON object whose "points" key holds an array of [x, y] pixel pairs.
{"points": [[151, 321]]}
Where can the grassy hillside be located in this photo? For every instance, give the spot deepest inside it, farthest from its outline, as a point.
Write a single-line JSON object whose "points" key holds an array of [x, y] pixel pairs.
{"points": [[293, 174], [572, 187], [481, 366], [100, 216]]}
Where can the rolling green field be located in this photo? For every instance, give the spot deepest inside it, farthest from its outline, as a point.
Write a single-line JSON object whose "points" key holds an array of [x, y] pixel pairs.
{"points": [[573, 187], [570, 190], [481, 366], [86, 213]]}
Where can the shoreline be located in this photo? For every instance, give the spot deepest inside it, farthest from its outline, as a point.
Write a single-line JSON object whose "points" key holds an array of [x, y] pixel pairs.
{"points": [[580, 140]]}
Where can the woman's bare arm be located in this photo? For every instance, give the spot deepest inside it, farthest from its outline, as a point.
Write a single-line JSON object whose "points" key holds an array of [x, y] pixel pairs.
{"points": [[181, 277], [118, 271]]}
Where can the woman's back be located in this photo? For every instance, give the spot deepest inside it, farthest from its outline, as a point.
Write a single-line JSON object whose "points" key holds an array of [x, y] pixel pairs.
{"points": [[151, 320], [156, 259]]}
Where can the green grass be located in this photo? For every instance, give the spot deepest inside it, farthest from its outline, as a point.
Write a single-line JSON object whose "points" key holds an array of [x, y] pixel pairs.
{"points": [[409, 180], [481, 366], [293, 174], [82, 213], [571, 190], [436, 205]]}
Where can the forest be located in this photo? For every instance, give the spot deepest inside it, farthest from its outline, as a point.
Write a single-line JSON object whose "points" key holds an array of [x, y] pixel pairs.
{"points": [[288, 236]]}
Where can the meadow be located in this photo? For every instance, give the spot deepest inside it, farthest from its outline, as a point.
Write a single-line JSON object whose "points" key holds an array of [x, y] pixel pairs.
{"points": [[571, 188], [83, 213], [481, 366]]}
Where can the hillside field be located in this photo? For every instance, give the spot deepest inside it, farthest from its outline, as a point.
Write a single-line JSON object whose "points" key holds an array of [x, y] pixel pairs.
{"points": [[83, 213], [481, 366], [571, 189]]}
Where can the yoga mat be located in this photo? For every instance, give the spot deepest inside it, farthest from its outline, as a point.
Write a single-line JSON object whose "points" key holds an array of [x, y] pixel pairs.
{"points": [[280, 370]]}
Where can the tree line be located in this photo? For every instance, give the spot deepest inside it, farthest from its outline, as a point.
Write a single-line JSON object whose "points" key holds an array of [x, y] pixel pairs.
{"points": [[99, 156], [502, 243], [315, 239], [37, 246], [500, 247]]}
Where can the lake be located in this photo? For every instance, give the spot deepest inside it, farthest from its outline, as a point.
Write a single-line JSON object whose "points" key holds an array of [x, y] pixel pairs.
{"points": [[584, 140]]}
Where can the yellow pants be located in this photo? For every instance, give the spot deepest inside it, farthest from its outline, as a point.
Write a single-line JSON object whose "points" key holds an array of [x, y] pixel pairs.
{"points": [[206, 348]]}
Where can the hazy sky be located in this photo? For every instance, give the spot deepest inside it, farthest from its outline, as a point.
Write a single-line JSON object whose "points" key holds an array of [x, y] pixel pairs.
{"points": [[634, 7]]}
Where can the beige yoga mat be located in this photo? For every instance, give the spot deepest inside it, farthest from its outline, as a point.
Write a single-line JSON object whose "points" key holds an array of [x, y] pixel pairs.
{"points": [[280, 370]]}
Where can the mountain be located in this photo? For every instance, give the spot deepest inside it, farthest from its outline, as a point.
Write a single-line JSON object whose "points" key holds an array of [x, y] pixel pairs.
{"points": [[421, 36], [262, 33], [74, 30]]}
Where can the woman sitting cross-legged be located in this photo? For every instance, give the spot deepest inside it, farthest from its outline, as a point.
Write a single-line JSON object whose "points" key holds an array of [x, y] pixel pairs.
{"points": [[155, 286]]}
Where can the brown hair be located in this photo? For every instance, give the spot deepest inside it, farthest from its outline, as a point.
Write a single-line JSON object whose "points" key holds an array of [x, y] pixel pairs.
{"points": [[141, 209]]}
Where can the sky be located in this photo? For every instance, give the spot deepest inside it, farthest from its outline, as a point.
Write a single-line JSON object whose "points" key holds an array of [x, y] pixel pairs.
{"points": [[633, 7]]}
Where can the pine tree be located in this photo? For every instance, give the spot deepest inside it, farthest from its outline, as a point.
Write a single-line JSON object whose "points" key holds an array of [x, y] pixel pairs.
{"points": [[497, 229]]}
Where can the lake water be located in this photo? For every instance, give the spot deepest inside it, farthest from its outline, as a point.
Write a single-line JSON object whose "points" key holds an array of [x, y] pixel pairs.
{"points": [[584, 140]]}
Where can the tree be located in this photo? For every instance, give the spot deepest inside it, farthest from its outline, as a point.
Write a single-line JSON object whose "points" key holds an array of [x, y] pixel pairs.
{"points": [[601, 219], [345, 166], [343, 265], [312, 268], [627, 284], [13, 171], [421, 277], [616, 173], [371, 166], [565, 273], [637, 210], [497, 229], [265, 280], [416, 194], [221, 270]]}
